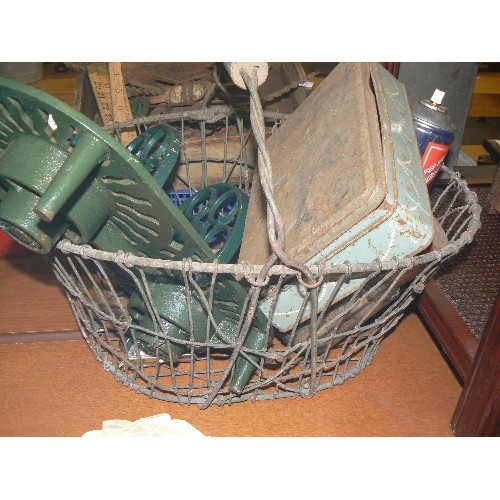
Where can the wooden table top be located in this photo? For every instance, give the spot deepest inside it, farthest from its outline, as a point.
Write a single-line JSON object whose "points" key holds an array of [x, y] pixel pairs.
{"points": [[57, 388]]}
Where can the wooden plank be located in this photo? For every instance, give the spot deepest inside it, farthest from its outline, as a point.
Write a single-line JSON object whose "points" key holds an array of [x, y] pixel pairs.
{"points": [[99, 80], [32, 302], [59, 389], [120, 102], [478, 411], [473, 150], [487, 82], [111, 97], [315, 159], [45, 336], [191, 166], [478, 174], [484, 105], [448, 327], [60, 84]]}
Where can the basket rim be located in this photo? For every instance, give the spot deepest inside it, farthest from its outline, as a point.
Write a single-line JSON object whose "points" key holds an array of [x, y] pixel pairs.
{"points": [[248, 269], [210, 114]]}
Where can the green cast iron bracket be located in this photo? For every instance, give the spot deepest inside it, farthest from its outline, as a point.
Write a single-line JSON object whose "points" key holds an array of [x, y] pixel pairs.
{"points": [[63, 176], [189, 313], [218, 213], [158, 149]]}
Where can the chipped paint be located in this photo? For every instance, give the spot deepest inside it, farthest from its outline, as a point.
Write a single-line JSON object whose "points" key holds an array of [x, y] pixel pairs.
{"points": [[400, 227]]}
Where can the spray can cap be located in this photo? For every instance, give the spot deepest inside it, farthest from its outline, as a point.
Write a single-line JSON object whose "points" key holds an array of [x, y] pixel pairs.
{"points": [[437, 97]]}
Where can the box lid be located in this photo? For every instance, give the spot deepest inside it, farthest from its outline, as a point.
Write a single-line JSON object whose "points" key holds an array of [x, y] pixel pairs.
{"points": [[328, 168]]}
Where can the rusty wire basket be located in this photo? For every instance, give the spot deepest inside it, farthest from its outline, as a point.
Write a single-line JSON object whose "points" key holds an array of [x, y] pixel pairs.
{"points": [[337, 341]]}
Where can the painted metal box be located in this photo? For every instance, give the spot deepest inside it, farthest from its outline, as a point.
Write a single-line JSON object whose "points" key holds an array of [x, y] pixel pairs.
{"points": [[394, 225]]}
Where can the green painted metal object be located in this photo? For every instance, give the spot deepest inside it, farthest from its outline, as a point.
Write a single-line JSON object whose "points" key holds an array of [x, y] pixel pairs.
{"points": [[63, 176], [184, 330], [140, 106], [158, 149], [218, 213]]}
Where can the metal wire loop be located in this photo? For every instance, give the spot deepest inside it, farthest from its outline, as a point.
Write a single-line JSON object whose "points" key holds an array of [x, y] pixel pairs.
{"points": [[310, 284], [251, 277]]}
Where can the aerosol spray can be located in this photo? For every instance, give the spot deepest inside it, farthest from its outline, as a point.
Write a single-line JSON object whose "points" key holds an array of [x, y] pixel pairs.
{"points": [[435, 132]]}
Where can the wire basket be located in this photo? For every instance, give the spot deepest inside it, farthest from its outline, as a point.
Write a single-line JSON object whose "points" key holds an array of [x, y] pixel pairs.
{"points": [[335, 344]]}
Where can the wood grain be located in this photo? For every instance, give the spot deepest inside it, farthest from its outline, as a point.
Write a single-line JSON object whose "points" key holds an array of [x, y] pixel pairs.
{"points": [[326, 176], [62, 85], [59, 389], [448, 327], [478, 411], [31, 299], [484, 105]]}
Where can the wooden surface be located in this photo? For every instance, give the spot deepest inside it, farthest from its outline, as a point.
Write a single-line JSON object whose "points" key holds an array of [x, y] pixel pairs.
{"points": [[484, 105], [478, 411], [57, 388], [485, 100], [474, 150], [61, 85], [28, 294], [449, 328]]}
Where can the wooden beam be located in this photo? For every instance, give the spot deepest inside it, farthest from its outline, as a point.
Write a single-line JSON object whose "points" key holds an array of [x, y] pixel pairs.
{"points": [[487, 82], [484, 105], [478, 411], [448, 327]]}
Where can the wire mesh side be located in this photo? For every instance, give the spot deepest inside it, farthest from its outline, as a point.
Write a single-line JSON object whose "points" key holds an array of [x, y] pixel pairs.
{"points": [[122, 316], [218, 145], [334, 346]]}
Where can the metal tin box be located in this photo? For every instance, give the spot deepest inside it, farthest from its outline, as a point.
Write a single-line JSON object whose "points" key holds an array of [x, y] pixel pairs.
{"points": [[370, 198]]}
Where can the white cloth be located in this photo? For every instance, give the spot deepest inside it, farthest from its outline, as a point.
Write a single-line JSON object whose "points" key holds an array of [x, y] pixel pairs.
{"points": [[162, 425]]}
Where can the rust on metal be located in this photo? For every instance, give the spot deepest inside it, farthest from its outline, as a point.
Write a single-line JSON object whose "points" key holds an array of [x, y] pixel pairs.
{"points": [[327, 175]]}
